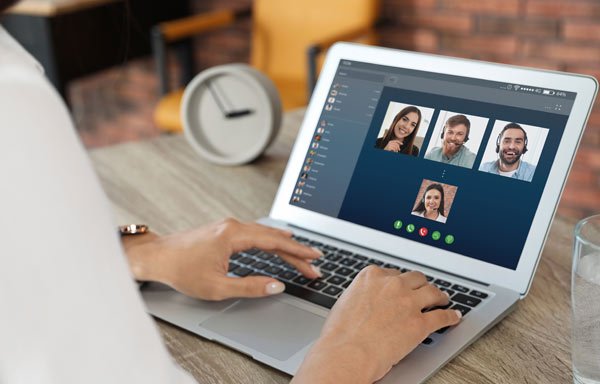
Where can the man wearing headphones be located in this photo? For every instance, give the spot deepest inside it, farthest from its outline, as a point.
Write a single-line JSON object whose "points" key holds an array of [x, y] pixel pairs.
{"points": [[511, 144], [454, 135]]}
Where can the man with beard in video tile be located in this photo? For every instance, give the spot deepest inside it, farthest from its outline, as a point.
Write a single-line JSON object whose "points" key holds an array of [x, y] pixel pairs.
{"points": [[511, 144], [453, 151]]}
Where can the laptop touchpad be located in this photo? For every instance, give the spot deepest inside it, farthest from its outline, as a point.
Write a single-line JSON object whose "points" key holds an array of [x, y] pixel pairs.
{"points": [[272, 327]]}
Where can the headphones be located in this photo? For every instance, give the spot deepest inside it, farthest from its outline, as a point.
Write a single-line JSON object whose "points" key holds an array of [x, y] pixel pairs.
{"points": [[466, 138], [511, 126]]}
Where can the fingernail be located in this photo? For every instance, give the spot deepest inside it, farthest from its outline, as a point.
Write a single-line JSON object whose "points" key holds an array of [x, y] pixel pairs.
{"points": [[447, 294], [274, 288], [458, 313], [318, 251], [317, 270]]}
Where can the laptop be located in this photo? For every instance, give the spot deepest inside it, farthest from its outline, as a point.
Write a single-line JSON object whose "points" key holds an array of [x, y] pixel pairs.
{"points": [[410, 161]]}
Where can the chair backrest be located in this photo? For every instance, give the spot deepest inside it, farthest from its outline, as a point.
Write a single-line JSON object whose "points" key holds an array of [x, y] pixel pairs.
{"points": [[283, 30]]}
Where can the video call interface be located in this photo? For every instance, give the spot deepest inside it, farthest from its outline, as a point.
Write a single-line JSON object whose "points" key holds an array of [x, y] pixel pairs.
{"points": [[456, 163]]}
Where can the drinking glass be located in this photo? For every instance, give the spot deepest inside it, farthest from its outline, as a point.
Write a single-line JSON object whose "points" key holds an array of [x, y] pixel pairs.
{"points": [[585, 302]]}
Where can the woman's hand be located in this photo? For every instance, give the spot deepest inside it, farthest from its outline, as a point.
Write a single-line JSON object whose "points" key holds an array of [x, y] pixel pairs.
{"points": [[393, 146], [376, 322], [196, 262]]}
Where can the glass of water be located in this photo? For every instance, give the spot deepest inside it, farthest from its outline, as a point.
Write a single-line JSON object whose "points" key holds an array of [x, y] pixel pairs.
{"points": [[585, 301]]}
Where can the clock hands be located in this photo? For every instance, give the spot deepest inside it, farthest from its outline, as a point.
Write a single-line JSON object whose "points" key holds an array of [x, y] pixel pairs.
{"points": [[227, 112]]}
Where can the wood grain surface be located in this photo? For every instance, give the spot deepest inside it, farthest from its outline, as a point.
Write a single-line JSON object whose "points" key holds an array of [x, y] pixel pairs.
{"points": [[165, 184]]}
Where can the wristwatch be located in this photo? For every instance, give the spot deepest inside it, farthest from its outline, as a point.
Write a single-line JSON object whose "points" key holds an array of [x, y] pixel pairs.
{"points": [[133, 229]]}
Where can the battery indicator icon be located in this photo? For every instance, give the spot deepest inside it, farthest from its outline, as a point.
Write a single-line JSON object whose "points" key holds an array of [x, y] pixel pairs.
{"points": [[548, 92]]}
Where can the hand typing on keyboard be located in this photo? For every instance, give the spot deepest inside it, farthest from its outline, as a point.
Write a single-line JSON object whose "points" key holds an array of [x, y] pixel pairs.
{"points": [[375, 323], [196, 263]]}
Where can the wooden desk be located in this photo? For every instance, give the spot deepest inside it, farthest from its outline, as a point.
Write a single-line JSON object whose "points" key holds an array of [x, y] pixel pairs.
{"points": [[164, 183]]}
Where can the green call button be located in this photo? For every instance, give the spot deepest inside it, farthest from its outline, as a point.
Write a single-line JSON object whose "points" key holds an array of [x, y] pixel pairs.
{"points": [[410, 228], [436, 235], [398, 224], [449, 239]]}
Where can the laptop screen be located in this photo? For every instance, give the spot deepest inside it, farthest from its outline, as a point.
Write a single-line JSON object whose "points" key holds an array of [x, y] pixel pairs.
{"points": [[453, 162]]}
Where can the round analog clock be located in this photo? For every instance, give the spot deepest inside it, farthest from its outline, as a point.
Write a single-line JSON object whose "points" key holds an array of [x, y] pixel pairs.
{"points": [[231, 113]]}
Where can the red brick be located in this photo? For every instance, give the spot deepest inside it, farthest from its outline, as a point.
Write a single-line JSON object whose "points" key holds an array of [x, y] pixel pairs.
{"points": [[581, 197], [588, 157], [497, 7], [581, 175], [504, 46], [540, 28], [562, 8], [584, 70], [441, 21], [421, 40], [581, 31], [568, 53], [399, 6], [535, 63]]}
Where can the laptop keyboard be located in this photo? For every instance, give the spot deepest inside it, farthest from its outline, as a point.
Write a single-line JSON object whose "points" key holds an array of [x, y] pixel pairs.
{"points": [[339, 267]]}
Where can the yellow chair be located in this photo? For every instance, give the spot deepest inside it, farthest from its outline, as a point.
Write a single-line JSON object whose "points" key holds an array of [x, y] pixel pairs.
{"points": [[287, 39]]}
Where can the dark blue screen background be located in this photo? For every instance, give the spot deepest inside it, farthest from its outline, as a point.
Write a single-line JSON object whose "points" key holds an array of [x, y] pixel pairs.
{"points": [[491, 214]]}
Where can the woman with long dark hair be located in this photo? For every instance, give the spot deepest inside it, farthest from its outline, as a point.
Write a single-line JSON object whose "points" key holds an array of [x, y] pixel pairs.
{"points": [[431, 205], [400, 136]]}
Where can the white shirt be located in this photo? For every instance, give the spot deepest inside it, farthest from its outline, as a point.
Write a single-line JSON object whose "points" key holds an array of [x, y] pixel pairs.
{"points": [[71, 312], [440, 218]]}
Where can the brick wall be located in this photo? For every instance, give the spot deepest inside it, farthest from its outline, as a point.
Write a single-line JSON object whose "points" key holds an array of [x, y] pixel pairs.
{"points": [[553, 34]]}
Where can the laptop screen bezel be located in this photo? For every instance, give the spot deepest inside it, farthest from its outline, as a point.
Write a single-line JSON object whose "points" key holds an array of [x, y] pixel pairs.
{"points": [[518, 279]]}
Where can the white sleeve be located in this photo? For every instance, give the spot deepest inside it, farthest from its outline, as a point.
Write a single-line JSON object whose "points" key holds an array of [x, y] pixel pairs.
{"points": [[71, 312]]}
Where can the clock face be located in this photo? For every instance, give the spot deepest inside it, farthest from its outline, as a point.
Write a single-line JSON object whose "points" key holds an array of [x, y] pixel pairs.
{"points": [[229, 114]]}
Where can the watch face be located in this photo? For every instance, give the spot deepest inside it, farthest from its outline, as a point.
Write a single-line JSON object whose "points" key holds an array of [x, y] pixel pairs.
{"points": [[231, 114]]}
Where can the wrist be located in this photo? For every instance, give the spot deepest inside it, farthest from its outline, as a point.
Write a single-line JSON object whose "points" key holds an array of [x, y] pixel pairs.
{"points": [[143, 256], [329, 361]]}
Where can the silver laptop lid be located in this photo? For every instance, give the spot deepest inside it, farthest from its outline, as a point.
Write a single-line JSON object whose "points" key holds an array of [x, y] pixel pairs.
{"points": [[450, 163]]}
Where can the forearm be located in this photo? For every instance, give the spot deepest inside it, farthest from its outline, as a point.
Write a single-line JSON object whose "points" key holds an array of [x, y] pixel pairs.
{"points": [[331, 363]]}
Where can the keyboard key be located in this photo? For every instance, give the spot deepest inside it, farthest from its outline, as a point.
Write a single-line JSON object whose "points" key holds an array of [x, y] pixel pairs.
{"points": [[315, 243], [329, 266], [348, 262], [260, 265], [317, 262], [376, 262], [287, 275], [460, 288], [344, 271], [331, 290], [232, 267], [242, 271], [301, 280], [265, 256], [404, 270], [324, 275], [450, 292], [330, 247], [312, 296], [427, 341], [336, 280], [344, 252], [347, 284], [276, 261], [253, 251], [273, 270], [300, 238], [481, 295], [464, 310], [246, 260], [429, 278], [317, 285], [235, 256], [443, 283], [442, 330], [391, 266], [466, 299], [333, 257], [360, 266], [360, 257]]}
